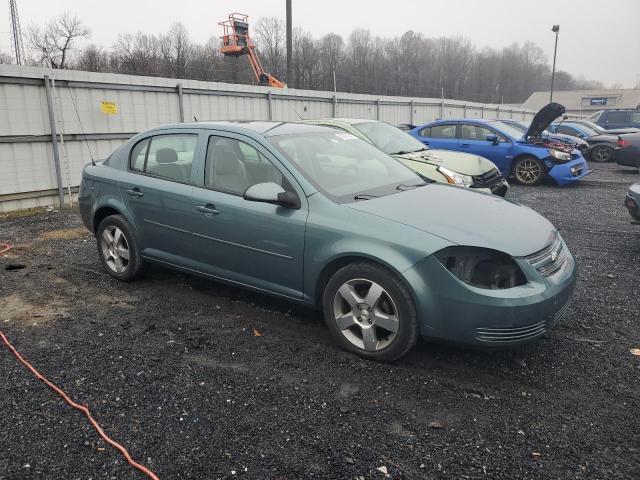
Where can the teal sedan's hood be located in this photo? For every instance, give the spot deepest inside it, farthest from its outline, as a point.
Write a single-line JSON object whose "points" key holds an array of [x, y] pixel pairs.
{"points": [[461, 162], [465, 217]]}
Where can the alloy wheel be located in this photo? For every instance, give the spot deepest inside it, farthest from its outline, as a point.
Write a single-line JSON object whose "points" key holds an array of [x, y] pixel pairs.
{"points": [[528, 171], [601, 154], [115, 249], [366, 314]]}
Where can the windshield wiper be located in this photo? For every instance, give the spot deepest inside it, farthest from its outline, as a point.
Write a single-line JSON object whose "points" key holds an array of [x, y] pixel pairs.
{"points": [[404, 187], [404, 152], [364, 196]]}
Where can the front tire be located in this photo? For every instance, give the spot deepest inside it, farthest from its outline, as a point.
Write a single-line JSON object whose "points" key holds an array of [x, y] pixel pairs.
{"points": [[601, 154], [528, 170], [118, 248], [370, 312]]}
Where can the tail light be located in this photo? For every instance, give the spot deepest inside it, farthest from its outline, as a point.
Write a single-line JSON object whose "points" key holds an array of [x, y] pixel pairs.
{"points": [[622, 142]]}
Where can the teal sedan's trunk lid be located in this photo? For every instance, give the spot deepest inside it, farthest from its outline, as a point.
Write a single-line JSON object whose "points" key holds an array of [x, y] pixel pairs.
{"points": [[464, 163], [465, 217]]}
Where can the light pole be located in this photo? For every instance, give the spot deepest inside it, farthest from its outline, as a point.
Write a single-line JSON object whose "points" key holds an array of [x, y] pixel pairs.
{"points": [[555, 29]]}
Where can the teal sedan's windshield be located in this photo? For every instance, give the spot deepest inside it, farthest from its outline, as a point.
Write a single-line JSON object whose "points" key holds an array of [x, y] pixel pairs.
{"points": [[344, 166], [388, 138]]}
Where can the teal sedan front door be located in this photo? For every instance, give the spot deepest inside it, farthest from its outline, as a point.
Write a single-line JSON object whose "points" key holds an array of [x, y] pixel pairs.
{"points": [[247, 242]]}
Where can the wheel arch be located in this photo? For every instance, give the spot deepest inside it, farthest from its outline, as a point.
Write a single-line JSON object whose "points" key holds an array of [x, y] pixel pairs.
{"points": [[337, 263]]}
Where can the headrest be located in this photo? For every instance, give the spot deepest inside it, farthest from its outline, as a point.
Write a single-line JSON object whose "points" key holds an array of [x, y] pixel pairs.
{"points": [[227, 162], [166, 155]]}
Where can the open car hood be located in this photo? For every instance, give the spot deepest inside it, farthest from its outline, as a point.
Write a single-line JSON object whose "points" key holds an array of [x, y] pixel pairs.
{"points": [[543, 119]]}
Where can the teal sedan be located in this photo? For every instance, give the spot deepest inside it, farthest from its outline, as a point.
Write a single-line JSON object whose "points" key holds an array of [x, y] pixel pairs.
{"points": [[323, 218]]}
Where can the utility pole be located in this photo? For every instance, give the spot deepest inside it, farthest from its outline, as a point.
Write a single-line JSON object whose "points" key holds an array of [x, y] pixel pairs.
{"points": [[289, 42], [556, 30], [16, 33]]}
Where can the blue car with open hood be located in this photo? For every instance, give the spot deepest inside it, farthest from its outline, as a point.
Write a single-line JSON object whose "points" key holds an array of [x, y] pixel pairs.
{"points": [[528, 158]]}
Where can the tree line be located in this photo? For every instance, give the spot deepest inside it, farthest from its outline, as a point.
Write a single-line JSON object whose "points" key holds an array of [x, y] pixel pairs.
{"points": [[409, 65]]}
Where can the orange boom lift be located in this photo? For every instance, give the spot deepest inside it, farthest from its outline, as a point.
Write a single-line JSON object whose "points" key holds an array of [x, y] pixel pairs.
{"points": [[237, 42]]}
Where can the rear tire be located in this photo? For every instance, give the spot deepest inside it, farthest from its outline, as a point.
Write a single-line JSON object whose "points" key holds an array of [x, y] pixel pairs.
{"points": [[370, 312], [601, 154], [118, 248], [528, 170]]}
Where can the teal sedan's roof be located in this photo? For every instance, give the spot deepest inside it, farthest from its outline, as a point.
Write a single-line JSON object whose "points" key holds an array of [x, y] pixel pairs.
{"points": [[264, 128]]}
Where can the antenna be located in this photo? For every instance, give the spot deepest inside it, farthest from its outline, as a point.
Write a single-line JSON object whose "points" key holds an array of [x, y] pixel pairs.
{"points": [[84, 135], [16, 33]]}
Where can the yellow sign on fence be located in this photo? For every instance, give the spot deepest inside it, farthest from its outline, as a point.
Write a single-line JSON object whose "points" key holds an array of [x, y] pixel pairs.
{"points": [[110, 108]]}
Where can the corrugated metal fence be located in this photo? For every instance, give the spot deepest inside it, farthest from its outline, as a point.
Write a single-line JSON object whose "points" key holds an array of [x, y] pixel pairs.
{"points": [[73, 107]]}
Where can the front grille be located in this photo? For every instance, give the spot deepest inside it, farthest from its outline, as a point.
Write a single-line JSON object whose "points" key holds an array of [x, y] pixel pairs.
{"points": [[550, 259], [488, 179], [514, 334]]}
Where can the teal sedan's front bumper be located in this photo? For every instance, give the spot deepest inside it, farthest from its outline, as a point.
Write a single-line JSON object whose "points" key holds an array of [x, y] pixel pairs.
{"points": [[452, 310]]}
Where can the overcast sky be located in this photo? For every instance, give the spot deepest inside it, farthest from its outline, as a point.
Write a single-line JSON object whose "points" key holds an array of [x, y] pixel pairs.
{"points": [[599, 39]]}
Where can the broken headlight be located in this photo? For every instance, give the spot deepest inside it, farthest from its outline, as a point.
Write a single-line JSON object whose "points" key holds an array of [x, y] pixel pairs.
{"points": [[482, 267], [558, 155]]}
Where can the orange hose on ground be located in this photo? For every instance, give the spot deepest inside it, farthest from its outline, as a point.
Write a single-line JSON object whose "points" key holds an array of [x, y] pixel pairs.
{"points": [[5, 247], [82, 408]]}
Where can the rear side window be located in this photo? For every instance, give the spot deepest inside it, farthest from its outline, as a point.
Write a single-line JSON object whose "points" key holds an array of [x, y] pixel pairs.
{"points": [[139, 155], [165, 156], [443, 131], [616, 117], [635, 117]]}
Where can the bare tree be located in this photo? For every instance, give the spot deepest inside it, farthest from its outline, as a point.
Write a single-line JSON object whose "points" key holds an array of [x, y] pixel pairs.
{"points": [[270, 41], [92, 59], [54, 43], [175, 47], [4, 58]]}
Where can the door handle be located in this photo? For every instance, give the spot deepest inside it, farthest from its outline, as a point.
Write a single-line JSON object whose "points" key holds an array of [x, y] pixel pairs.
{"points": [[135, 192], [426, 143], [208, 209], [465, 145]]}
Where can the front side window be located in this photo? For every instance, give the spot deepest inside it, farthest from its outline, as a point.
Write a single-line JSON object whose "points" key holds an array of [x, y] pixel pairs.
{"points": [[345, 167], [635, 117], [475, 132], [232, 166], [165, 156]]}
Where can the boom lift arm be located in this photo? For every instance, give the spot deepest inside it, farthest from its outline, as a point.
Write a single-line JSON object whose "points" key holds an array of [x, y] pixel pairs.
{"points": [[237, 42]]}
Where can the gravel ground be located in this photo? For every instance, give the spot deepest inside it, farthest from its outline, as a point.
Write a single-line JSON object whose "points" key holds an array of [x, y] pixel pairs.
{"points": [[203, 381]]}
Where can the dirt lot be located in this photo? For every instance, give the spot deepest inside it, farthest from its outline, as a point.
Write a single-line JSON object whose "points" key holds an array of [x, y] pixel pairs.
{"points": [[172, 367]]}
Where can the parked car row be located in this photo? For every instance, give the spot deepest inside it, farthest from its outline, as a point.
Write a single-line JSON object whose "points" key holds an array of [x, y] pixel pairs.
{"points": [[528, 157], [617, 118], [603, 144], [389, 249]]}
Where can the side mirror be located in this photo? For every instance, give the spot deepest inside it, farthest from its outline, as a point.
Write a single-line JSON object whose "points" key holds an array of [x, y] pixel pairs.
{"points": [[493, 139], [271, 192]]}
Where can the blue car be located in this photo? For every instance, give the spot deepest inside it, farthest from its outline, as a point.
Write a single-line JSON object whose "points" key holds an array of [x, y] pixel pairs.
{"points": [[528, 158]]}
